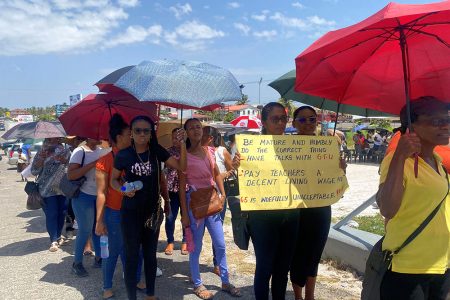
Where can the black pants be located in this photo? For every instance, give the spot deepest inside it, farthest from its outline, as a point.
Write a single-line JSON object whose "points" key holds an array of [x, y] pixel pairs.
{"points": [[273, 235], [314, 226], [399, 286], [134, 235]]}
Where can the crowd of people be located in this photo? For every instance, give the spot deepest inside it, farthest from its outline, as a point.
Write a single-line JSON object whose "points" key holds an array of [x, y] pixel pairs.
{"points": [[288, 244]]}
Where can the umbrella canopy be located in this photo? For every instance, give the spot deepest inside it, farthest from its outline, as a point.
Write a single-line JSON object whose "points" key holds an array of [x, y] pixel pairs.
{"points": [[401, 52], [35, 130], [249, 122], [90, 117], [285, 86], [180, 84]]}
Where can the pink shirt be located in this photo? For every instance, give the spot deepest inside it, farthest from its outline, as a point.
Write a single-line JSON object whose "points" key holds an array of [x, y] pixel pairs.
{"points": [[198, 173]]}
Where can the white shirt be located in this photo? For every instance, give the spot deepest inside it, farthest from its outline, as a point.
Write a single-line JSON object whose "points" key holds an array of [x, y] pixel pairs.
{"points": [[220, 159], [89, 186]]}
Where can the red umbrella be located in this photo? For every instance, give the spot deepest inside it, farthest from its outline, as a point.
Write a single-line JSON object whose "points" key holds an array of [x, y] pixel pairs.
{"points": [[402, 51], [249, 122], [90, 117]]}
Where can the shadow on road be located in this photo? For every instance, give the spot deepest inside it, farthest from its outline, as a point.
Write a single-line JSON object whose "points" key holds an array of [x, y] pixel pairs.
{"points": [[25, 247]]}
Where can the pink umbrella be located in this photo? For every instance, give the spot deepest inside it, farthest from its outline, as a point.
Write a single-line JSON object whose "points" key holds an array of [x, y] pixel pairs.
{"points": [[247, 122]]}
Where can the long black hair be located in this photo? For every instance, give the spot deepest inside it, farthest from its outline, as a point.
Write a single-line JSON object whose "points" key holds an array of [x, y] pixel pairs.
{"points": [[217, 138], [188, 142], [266, 111], [116, 126]]}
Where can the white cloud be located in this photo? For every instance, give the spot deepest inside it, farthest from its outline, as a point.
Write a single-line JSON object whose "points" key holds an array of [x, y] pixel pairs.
{"points": [[135, 34], [259, 17], [308, 24], [234, 4], [245, 29], [194, 30], [181, 10], [265, 34], [42, 27], [192, 36], [298, 5], [129, 3]]}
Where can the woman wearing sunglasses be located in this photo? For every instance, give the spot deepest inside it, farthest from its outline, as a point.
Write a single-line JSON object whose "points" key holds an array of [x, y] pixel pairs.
{"points": [[273, 232], [407, 195], [314, 224], [141, 212]]}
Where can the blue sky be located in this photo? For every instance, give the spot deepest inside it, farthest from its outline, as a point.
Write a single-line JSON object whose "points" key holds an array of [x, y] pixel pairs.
{"points": [[50, 49]]}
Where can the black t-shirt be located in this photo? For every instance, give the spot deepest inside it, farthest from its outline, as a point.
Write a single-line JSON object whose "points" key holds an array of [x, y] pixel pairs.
{"points": [[127, 160]]}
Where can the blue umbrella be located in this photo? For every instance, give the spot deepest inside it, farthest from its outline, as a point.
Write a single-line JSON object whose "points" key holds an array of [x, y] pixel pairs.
{"points": [[180, 84]]}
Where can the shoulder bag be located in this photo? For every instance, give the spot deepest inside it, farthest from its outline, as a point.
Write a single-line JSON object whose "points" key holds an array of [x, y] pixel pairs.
{"points": [[157, 217], [239, 223], [206, 202], [379, 261], [71, 188]]}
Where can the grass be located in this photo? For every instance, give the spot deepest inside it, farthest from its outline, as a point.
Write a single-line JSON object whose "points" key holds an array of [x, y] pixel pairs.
{"points": [[373, 224]]}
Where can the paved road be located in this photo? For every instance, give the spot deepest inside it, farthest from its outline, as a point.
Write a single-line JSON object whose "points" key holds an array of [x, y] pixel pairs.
{"points": [[29, 271]]}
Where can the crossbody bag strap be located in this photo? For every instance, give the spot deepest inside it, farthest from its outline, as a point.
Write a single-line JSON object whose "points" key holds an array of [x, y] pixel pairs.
{"points": [[426, 221], [211, 162], [84, 154]]}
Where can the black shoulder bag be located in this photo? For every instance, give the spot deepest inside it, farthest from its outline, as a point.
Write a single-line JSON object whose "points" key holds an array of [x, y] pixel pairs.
{"points": [[379, 261]]}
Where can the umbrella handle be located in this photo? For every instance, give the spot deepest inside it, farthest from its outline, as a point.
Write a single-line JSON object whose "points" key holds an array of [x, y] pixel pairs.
{"points": [[416, 164]]}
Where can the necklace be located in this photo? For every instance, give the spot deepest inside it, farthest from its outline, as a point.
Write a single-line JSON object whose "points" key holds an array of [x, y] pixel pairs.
{"points": [[139, 157]]}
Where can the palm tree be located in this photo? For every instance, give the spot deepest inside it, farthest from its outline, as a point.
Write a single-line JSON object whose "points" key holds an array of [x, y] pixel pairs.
{"points": [[288, 104]]}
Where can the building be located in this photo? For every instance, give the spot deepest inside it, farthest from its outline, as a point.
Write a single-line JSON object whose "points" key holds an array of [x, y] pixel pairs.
{"points": [[242, 110], [14, 113]]}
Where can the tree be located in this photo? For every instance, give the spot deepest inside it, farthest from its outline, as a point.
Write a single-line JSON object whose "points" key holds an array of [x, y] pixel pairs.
{"points": [[243, 101], [289, 104], [229, 116]]}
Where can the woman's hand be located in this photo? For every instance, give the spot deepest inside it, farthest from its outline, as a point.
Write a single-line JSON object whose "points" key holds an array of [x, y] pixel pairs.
{"points": [[181, 135], [129, 194], [237, 161], [408, 144], [185, 221], [100, 228]]}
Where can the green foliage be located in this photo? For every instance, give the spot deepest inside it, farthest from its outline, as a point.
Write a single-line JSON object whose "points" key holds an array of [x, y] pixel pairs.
{"points": [[229, 116], [386, 124], [243, 101], [289, 104]]}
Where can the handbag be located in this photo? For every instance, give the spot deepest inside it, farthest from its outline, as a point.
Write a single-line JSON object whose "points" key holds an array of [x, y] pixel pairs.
{"points": [[34, 200], [71, 188], [239, 223], [379, 261], [206, 202], [232, 186], [156, 219], [31, 187]]}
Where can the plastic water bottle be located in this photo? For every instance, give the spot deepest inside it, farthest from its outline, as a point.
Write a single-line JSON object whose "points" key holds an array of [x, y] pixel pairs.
{"points": [[189, 239], [132, 186], [104, 246]]}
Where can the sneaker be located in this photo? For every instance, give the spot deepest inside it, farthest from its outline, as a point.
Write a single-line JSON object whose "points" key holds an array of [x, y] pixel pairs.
{"points": [[79, 270], [62, 241], [69, 233], [97, 263], [54, 247], [158, 272]]}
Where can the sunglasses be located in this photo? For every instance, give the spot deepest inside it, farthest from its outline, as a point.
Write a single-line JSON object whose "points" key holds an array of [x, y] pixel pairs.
{"points": [[276, 120], [306, 120], [138, 131]]}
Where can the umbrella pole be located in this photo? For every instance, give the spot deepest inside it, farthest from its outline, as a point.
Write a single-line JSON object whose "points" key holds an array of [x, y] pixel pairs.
{"points": [[337, 115], [181, 114]]}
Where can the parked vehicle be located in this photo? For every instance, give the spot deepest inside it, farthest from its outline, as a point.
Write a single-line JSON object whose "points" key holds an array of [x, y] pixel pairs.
{"points": [[6, 145], [13, 155]]}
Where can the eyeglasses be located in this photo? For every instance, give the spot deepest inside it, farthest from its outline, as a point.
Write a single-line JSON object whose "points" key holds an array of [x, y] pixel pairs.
{"points": [[276, 120], [138, 131], [310, 120]]}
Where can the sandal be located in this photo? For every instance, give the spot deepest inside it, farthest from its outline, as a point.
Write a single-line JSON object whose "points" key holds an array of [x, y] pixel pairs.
{"points": [[184, 249], [203, 293], [88, 253], [169, 249], [108, 294], [231, 290], [151, 298]]}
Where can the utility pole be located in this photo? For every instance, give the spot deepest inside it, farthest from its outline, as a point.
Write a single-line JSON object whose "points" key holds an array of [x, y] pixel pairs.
{"points": [[259, 91]]}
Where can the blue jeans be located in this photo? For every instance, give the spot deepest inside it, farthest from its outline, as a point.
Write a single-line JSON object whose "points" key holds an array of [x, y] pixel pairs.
{"points": [[172, 217], [55, 209], [115, 247], [84, 208], [215, 229]]}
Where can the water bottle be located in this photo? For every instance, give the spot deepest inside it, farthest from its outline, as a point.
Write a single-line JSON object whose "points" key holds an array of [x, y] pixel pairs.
{"points": [[132, 186], [104, 246], [189, 239]]}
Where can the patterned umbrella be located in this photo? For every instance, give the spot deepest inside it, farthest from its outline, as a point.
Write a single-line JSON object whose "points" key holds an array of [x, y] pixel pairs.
{"points": [[180, 84], [247, 122], [35, 130]]}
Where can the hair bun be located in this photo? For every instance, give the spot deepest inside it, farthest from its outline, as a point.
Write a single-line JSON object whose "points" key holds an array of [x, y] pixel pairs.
{"points": [[117, 121]]}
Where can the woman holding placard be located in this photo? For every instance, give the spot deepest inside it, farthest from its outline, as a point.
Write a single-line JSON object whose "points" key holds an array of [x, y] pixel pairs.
{"points": [[273, 232]]}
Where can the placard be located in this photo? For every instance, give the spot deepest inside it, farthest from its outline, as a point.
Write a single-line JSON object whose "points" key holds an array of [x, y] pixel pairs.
{"points": [[289, 171]]}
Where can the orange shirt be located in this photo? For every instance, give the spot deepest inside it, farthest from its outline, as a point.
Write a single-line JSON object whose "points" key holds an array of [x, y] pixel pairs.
{"points": [[442, 151], [113, 197]]}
